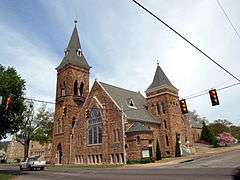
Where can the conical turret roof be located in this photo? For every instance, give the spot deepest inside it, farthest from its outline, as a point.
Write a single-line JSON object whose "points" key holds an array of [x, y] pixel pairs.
{"points": [[160, 81], [73, 53]]}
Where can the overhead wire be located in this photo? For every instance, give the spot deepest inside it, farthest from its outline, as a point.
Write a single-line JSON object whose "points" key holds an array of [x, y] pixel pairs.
{"points": [[228, 18], [185, 39]]}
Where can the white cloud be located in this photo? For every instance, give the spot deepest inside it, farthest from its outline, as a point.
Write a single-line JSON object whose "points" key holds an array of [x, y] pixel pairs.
{"points": [[123, 43]]}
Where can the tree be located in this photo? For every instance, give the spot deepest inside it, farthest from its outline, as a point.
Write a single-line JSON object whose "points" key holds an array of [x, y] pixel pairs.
{"points": [[11, 84], [206, 134], [235, 131], [218, 128], [158, 152], [177, 151], [35, 126]]}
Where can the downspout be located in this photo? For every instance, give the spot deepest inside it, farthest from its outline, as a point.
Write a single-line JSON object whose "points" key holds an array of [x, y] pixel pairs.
{"points": [[124, 140]]}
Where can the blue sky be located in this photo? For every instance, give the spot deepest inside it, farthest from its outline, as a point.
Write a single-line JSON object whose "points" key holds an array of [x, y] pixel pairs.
{"points": [[122, 44]]}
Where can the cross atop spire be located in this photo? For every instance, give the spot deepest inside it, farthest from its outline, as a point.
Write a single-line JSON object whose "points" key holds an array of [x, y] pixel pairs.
{"points": [[160, 81], [73, 52]]}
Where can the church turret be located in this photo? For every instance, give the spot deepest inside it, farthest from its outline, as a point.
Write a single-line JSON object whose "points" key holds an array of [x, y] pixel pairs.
{"points": [[71, 92], [163, 103], [160, 84]]}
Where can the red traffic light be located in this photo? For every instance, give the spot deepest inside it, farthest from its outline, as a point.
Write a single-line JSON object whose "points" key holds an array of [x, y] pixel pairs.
{"points": [[183, 106], [214, 97]]}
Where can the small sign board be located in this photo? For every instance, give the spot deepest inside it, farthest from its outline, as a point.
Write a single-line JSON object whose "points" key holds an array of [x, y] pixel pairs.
{"points": [[1, 100], [145, 153]]}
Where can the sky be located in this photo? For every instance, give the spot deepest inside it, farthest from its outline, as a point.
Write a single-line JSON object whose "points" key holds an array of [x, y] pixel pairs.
{"points": [[123, 43]]}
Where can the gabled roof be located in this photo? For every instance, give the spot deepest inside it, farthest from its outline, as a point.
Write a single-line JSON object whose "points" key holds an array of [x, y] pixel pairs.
{"points": [[71, 56], [138, 127], [160, 80], [121, 97]]}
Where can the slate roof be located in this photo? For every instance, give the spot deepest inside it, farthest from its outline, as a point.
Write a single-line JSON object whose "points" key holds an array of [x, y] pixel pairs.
{"points": [[160, 79], [138, 127], [122, 97], [72, 57]]}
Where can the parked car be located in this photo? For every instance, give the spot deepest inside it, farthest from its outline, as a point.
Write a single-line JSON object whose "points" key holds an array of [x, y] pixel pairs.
{"points": [[33, 163]]}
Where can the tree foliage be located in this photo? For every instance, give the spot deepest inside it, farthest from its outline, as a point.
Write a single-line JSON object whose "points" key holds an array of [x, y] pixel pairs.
{"points": [[206, 134], [36, 126], [10, 84], [219, 126], [235, 131], [158, 152]]}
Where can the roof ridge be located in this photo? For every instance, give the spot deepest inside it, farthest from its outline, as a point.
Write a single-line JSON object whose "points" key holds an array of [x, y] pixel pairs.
{"points": [[120, 88]]}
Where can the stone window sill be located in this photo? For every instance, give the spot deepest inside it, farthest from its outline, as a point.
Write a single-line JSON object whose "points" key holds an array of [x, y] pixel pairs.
{"points": [[99, 144]]}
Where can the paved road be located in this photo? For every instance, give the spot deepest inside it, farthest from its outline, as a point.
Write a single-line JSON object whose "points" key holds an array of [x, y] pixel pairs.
{"points": [[213, 168], [226, 160]]}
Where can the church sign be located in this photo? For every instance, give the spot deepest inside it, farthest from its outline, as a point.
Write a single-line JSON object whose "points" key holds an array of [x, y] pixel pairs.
{"points": [[145, 153]]}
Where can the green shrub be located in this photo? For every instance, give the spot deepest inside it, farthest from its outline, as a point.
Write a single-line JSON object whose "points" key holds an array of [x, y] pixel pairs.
{"points": [[177, 151], [158, 152], [141, 161], [133, 161], [215, 142]]}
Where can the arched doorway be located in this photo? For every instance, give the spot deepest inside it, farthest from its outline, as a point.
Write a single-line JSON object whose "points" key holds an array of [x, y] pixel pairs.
{"points": [[59, 154]]}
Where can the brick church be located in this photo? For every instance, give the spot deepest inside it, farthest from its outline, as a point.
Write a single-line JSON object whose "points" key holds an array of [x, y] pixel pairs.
{"points": [[122, 125]]}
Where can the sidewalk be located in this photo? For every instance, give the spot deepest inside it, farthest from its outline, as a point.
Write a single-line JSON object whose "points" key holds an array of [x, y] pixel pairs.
{"points": [[201, 152]]}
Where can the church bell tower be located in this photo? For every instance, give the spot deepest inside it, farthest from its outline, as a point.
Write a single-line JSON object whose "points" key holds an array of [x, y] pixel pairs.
{"points": [[71, 92]]}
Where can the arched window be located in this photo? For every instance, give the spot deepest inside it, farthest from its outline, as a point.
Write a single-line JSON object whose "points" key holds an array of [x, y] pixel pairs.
{"points": [[81, 88], [167, 141], [163, 108], [95, 127], [59, 126], [79, 52], [63, 89], [138, 140], [165, 124], [159, 108], [75, 88], [73, 121], [66, 51]]}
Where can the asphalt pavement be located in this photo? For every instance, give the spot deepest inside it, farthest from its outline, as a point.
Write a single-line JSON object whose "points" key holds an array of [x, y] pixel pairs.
{"points": [[218, 167]]}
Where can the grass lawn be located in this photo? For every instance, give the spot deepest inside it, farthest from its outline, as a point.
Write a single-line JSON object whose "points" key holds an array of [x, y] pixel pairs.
{"points": [[77, 167], [5, 176]]}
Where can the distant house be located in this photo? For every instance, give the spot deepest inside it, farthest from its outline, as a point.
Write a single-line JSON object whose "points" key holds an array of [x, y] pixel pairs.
{"points": [[196, 129], [15, 150], [3, 149]]}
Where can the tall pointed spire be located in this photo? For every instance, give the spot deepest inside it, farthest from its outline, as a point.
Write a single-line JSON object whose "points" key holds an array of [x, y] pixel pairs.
{"points": [[161, 81], [73, 52]]}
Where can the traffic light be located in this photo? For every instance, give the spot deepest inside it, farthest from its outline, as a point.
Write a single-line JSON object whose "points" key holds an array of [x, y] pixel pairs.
{"points": [[9, 103], [87, 113], [183, 106], [214, 97]]}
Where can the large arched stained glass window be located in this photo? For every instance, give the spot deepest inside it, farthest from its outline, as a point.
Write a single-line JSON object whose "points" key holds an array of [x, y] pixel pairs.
{"points": [[95, 127]]}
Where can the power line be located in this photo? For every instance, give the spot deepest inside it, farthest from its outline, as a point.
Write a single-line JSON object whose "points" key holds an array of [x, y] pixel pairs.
{"points": [[41, 101], [185, 39], [201, 94], [228, 19], [188, 97]]}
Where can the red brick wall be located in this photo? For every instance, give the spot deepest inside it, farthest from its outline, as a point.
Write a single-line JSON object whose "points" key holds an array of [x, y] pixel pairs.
{"points": [[68, 74]]}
